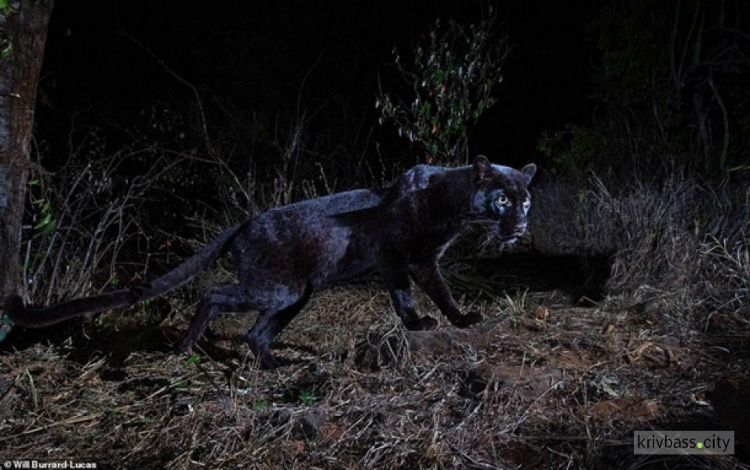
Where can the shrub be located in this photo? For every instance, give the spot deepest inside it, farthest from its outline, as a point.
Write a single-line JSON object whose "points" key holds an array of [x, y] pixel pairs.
{"points": [[455, 70]]}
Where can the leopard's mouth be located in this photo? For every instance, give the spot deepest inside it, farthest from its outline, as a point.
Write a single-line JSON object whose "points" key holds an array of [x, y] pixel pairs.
{"points": [[508, 239], [512, 238]]}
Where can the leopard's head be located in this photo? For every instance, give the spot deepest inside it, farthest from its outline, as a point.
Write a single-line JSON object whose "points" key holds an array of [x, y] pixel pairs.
{"points": [[501, 196]]}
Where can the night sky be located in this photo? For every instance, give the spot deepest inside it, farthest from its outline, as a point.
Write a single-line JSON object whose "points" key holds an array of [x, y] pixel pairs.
{"points": [[254, 56]]}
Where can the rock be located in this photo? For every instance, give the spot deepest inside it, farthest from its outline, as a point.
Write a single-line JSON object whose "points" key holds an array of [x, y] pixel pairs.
{"points": [[308, 426], [280, 417], [305, 425]]}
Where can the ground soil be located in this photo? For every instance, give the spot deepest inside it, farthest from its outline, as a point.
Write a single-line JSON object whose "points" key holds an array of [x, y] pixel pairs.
{"points": [[553, 378]]}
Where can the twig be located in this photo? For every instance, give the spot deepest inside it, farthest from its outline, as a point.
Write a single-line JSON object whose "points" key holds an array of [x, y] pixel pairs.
{"points": [[178, 77], [78, 419]]}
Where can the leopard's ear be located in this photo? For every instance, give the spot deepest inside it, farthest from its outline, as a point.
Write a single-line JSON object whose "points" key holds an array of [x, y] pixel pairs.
{"points": [[482, 168], [528, 172]]}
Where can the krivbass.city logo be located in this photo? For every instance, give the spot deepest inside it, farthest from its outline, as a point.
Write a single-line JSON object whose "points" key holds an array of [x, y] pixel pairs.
{"points": [[683, 442]]}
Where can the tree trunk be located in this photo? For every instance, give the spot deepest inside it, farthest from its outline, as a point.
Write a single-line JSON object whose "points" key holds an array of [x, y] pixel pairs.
{"points": [[24, 26]]}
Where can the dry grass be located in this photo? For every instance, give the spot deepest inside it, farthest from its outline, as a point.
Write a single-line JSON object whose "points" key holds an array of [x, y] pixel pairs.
{"points": [[551, 386], [675, 241], [542, 382]]}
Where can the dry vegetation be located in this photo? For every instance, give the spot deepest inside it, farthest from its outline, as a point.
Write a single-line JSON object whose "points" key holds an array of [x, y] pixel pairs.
{"points": [[627, 308], [568, 362], [547, 380], [539, 383]]}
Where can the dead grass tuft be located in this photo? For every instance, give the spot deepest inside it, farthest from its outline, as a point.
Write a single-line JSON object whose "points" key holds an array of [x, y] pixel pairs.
{"points": [[676, 243], [541, 382], [567, 389]]}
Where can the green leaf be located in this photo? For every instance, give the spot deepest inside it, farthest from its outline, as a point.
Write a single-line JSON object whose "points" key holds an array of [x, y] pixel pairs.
{"points": [[5, 7], [193, 359], [47, 218], [50, 228], [7, 49], [307, 397]]}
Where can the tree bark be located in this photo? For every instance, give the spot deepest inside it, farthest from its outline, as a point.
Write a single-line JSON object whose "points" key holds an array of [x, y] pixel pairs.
{"points": [[25, 27]]}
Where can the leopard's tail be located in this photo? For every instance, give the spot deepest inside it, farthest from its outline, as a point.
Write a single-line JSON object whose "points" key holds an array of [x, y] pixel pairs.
{"points": [[21, 315]]}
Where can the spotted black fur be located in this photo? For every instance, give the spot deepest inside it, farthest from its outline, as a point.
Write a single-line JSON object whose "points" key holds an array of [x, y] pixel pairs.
{"points": [[286, 253]]}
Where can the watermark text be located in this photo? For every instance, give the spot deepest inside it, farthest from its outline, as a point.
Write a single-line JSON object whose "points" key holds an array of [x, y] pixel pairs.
{"points": [[683, 442]]}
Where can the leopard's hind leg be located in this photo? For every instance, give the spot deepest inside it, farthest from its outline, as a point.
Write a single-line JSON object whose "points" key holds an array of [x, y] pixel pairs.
{"points": [[270, 323], [216, 300], [277, 307]]}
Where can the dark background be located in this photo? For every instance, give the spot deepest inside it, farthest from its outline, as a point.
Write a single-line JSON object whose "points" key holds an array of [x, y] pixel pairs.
{"points": [[271, 59]]}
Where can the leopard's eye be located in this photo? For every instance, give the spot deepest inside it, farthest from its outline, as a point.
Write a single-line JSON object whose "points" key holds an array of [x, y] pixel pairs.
{"points": [[503, 200], [526, 203]]}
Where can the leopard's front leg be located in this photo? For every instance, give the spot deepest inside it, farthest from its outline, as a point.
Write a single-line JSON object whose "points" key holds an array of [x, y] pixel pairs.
{"points": [[428, 278], [396, 279]]}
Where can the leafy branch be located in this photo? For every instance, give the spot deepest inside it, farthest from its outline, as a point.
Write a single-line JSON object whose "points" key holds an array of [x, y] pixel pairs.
{"points": [[455, 70]]}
